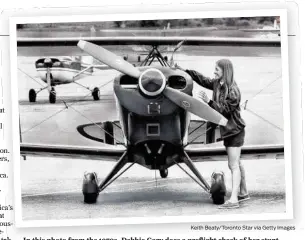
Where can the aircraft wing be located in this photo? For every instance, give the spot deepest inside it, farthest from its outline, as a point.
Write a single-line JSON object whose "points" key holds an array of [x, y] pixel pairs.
{"points": [[107, 153], [149, 40], [205, 153], [201, 153]]}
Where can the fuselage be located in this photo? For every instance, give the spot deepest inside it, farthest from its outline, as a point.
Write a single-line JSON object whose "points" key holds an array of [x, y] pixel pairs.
{"points": [[155, 128], [61, 71]]}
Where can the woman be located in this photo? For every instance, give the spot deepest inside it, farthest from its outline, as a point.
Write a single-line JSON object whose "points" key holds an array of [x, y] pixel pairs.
{"points": [[226, 100]]}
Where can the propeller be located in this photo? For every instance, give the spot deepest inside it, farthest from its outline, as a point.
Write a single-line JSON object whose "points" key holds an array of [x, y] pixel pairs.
{"points": [[194, 106], [109, 58], [183, 100], [178, 45], [175, 49]]}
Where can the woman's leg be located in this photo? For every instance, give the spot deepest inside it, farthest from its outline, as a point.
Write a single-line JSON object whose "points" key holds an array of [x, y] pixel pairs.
{"points": [[243, 187], [234, 166]]}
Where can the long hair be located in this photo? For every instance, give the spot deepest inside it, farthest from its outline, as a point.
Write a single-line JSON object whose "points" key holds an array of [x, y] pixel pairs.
{"points": [[228, 79]]}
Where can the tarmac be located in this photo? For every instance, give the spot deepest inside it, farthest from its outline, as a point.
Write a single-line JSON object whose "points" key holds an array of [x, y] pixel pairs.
{"points": [[51, 190]]}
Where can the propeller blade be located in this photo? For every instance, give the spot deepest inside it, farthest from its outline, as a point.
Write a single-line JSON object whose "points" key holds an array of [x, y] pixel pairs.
{"points": [[194, 106], [178, 45], [109, 58]]}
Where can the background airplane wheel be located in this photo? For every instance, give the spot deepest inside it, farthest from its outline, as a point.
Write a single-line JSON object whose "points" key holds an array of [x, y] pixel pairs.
{"points": [[164, 173], [108, 127], [90, 198], [125, 58], [96, 94], [139, 58], [166, 58], [90, 188], [52, 96], [32, 95], [218, 188]]}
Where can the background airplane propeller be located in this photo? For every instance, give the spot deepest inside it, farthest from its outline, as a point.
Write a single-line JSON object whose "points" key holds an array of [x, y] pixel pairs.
{"points": [[183, 100]]}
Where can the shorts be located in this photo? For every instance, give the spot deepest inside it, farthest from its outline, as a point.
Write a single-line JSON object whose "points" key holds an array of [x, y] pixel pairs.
{"points": [[235, 140]]}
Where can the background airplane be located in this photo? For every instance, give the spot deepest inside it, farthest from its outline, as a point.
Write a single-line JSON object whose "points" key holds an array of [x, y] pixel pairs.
{"points": [[57, 71]]}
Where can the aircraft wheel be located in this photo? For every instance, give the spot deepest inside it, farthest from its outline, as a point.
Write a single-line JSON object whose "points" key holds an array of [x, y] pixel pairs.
{"points": [[96, 94], [52, 96], [125, 58], [32, 95], [108, 127], [139, 58], [90, 188], [164, 173], [218, 188], [90, 198], [166, 58]]}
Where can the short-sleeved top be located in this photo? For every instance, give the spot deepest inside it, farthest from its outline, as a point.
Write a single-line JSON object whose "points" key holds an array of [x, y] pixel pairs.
{"points": [[229, 107]]}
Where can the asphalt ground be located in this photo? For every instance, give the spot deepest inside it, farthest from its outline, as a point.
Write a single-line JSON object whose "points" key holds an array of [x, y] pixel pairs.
{"points": [[51, 190]]}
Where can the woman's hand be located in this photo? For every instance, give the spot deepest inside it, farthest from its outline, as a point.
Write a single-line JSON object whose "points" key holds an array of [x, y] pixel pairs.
{"points": [[204, 96]]}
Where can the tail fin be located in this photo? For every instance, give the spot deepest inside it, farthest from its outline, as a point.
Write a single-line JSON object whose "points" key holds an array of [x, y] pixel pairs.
{"points": [[85, 60]]}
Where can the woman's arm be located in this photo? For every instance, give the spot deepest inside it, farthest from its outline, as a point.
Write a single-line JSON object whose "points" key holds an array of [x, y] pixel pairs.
{"points": [[229, 104], [200, 79]]}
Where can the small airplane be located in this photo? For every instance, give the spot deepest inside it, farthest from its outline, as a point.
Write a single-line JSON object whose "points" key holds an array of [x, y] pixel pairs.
{"points": [[154, 104], [55, 71]]}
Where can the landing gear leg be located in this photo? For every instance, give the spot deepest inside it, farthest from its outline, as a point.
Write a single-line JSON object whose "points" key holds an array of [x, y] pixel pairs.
{"points": [[120, 164], [33, 94], [192, 167], [52, 96], [95, 92], [91, 188], [218, 187]]}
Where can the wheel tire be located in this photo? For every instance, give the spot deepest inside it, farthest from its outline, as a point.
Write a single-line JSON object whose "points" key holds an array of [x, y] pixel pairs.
{"points": [[108, 127], [96, 94], [166, 58], [164, 173], [52, 96], [139, 58], [90, 198], [218, 188], [90, 188], [32, 95], [125, 58]]}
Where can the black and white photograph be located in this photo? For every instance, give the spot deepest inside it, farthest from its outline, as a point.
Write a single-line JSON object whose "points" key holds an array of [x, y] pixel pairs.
{"points": [[141, 118]]}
